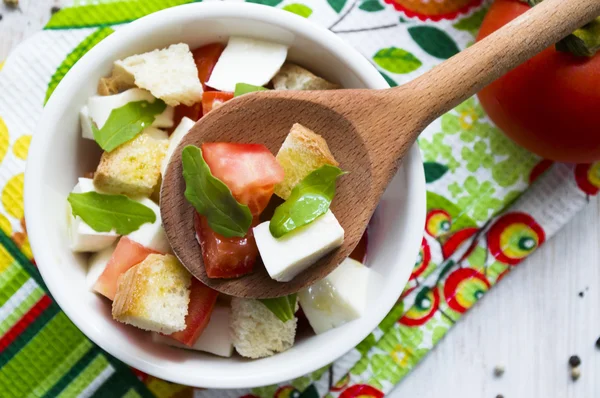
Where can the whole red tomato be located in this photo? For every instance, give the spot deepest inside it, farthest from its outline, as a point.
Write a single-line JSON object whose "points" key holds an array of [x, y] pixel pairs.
{"points": [[549, 105]]}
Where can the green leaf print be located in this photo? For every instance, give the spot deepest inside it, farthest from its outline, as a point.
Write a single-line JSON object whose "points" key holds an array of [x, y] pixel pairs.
{"points": [[460, 220], [371, 6], [360, 366], [477, 157], [436, 150], [74, 56], [495, 270], [472, 23], [299, 9], [271, 3], [434, 41], [265, 392], [104, 14], [434, 171], [337, 5], [477, 258], [516, 167], [364, 346], [396, 60], [301, 383], [389, 80], [375, 383], [480, 201]]}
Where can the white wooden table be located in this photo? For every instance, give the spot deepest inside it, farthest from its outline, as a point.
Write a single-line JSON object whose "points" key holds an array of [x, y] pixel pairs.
{"points": [[531, 322]]}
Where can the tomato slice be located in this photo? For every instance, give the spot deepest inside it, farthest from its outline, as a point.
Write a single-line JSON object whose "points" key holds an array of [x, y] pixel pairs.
{"points": [[127, 254], [249, 170], [214, 99], [225, 257], [193, 112], [202, 302], [205, 58]]}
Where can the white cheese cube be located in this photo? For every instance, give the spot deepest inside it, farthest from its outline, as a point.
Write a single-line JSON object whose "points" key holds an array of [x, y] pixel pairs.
{"points": [[338, 298], [83, 238], [86, 123], [286, 257], [215, 339], [100, 107], [182, 129], [247, 60], [152, 236], [96, 265]]}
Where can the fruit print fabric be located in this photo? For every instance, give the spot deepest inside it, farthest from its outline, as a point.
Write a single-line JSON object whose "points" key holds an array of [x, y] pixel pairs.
{"points": [[483, 215]]}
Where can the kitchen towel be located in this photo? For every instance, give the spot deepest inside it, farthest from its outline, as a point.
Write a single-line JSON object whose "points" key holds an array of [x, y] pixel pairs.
{"points": [[489, 203]]}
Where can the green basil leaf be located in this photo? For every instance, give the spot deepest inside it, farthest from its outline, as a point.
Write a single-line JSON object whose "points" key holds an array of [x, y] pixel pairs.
{"points": [[283, 307], [126, 122], [107, 212], [212, 198], [243, 88], [309, 199]]}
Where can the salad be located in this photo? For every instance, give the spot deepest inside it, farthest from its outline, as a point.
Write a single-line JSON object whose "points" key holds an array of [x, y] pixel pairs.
{"points": [[138, 117]]}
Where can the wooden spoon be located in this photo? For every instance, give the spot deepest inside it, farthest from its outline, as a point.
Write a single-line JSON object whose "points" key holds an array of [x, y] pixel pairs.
{"points": [[362, 132]]}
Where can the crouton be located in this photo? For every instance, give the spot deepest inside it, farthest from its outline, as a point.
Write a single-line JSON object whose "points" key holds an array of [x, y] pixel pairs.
{"points": [[120, 80], [302, 152], [294, 77], [169, 74], [256, 331], [154, 295], [133, 168]]}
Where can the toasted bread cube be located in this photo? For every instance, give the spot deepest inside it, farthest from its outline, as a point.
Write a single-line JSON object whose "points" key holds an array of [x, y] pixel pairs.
{"points": [[169, 74], [119, 81], [257, 332], [302, 152], [154, 295], [133, 168], [294, 77]]}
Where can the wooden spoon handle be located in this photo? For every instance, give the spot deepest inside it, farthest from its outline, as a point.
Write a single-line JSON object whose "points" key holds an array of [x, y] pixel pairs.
{"points": [[452, 82]]}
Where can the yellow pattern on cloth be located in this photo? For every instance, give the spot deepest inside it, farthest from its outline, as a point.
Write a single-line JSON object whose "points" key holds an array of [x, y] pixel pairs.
{"points": [[21, 147], [12, 196]]}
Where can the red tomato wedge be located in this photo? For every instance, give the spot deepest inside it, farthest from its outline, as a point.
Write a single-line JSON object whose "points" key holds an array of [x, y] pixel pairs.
{"points": [[205, 58], [214, 99], [127, 254], [193, 112], [249, 170], [225, 257], [202, 302]]}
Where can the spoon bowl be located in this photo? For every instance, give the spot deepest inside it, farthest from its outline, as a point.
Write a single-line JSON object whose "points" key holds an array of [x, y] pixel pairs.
{"points": [[266, 119]]}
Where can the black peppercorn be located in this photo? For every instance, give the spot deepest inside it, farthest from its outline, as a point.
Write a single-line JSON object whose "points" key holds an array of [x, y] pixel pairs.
{"points": [[574, 361]]}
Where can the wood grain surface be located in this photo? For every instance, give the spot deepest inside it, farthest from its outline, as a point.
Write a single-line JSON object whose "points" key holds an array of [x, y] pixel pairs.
{"points": [[531, 322]]}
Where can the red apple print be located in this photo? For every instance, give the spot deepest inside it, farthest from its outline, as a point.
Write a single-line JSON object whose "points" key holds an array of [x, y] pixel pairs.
{"points": [[456, 240], [438, 223], [422, 260], [362, 391], [434, 10], [539, 169], [426, 304], [286, 392], [464, 287], [514, 236], [343, 383], [587, 177]]}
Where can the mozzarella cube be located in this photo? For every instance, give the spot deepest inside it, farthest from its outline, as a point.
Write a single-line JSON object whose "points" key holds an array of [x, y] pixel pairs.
{"points": [[246, 60], [215, 339], [182, 129], [99, 108], [96, 265], [83, 237], [286, 257], [338, 298], [151, 236], [86, 123]]}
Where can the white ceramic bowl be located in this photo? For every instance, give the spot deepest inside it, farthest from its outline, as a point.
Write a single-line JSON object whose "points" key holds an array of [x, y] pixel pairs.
{"points": [[58, 156]]}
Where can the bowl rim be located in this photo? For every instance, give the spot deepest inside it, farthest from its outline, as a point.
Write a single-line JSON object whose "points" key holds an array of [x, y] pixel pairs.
{"points": [[41, 143]]}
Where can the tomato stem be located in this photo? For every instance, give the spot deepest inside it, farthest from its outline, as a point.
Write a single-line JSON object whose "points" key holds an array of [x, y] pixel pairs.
{"points": [[584, 42]]}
